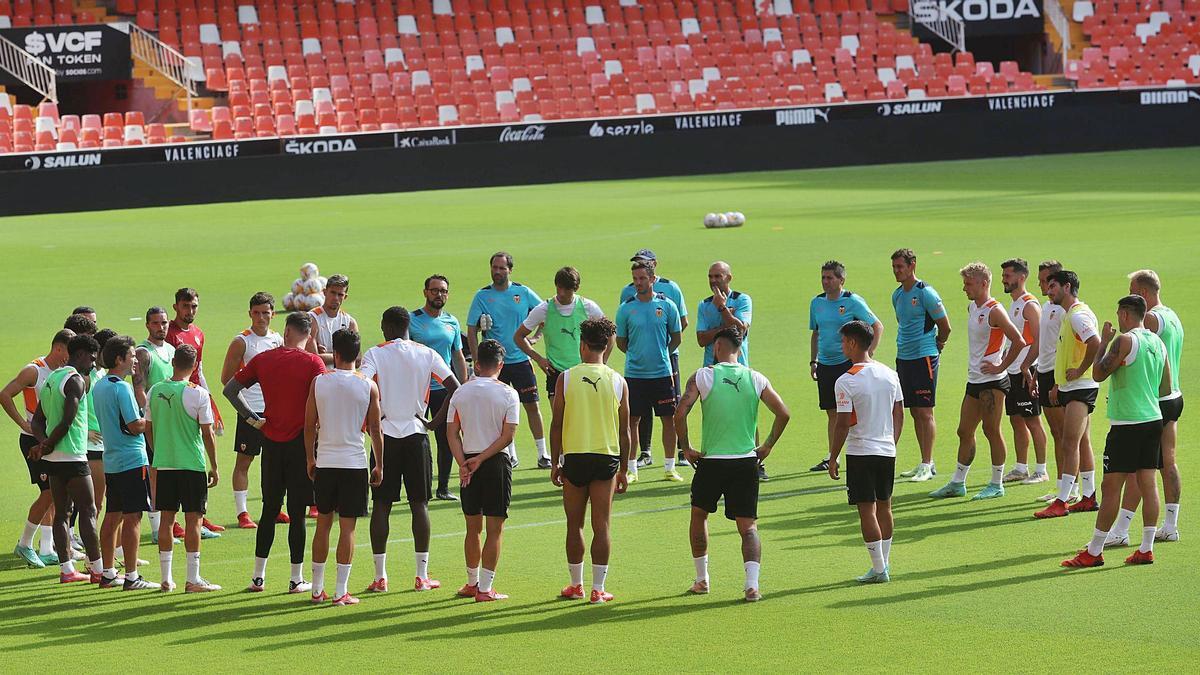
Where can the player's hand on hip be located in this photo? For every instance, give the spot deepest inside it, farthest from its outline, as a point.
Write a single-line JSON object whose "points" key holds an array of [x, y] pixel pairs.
{"points": [[762, 451], [991, 369], [690, 455]]}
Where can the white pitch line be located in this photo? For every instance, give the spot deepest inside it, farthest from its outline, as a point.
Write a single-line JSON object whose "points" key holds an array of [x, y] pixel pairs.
{"points": [[547, 523]]}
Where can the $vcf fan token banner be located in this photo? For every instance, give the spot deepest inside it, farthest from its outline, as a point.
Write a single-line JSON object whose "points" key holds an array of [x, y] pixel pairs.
{"points": [[78, 53]]}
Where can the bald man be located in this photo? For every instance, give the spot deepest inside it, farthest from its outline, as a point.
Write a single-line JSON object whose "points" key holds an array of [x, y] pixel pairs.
{"points": [[723, 309]]}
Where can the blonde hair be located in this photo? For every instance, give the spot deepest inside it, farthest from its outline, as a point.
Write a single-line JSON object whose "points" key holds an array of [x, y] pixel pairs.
{"points": [[977, 270], [1147, 279]]}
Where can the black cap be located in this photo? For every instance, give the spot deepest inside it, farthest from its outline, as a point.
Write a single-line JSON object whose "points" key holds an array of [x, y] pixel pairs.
{"points": [[644, 254]]}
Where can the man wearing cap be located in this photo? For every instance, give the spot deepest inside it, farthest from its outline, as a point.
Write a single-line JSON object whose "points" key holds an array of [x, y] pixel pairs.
{"points": [[671, 290]]}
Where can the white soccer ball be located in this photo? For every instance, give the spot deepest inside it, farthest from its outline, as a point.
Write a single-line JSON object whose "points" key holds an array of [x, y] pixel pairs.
{"points": [[324, 282], [311, 286], [289, 301], [739, 217], [710, 220], [298, 287], [318, 299], [309, 270], [722, 220], [305, 303]]}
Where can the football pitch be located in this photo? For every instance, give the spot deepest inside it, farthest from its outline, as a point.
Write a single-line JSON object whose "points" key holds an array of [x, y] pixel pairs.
{"points": [[974, 585]]}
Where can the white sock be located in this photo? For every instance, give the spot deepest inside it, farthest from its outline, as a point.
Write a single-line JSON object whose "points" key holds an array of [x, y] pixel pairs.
{"points": [[46, 546], [297, 572], [1124, 519], [260, 568], [1096, 545], [1039, 468], [599, 574], [540, 444], [318, 578], [96, 566], [26, 540], [193, 567], [422, 564], [67, 567], [1171, 521], [960, 473], [110, 573], [486, 577], [343, 580], [633, 466], [927, 466], [701, 564], [131, 575], [1088, 479], [875, 550], [752, 569], [1021, 468], [997, 474], [380, 567], [576, 572], [887, 552], [472, 576], [1148, 539], [165, 559], [154, 520], [669, 464], [1064, 488], [239, 501]]}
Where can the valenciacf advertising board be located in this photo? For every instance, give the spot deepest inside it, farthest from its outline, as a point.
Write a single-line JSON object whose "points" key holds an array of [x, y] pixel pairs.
{"points": [[76, 53]]}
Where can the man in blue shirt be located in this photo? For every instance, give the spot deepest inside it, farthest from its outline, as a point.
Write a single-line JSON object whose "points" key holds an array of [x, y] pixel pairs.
{"points": [[827, 313], [922, 329], [671, 290], [648, 330], [439, 330], [497, 311], [125, 463], [722, 309]]}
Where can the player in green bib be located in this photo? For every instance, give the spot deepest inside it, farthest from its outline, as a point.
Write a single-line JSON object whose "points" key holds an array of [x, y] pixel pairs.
{"points": [[181, 428], [154, 356], [559, 318], [1136, 365], [590, 435], [727, 464], [1163, 322], [60, 428]]}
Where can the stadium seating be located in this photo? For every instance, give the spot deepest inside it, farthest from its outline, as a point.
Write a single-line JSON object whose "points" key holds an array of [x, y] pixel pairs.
{"points": [[320, 66], [1136, 44]]}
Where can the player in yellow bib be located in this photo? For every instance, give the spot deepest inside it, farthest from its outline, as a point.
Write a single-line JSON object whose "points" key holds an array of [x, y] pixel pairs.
{"points": [[590, 434]]}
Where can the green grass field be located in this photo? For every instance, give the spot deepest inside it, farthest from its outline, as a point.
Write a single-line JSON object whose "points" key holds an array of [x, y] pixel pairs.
{"points": [[975, 585]]}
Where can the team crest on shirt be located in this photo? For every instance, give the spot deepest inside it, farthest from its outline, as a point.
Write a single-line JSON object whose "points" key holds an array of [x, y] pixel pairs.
{"points": [[981, 318], [914, 302], [841, 309], [517, 298], [658, 312]]}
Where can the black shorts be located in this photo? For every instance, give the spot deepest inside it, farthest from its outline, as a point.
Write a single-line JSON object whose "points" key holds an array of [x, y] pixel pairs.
{"points": [[128, 491], [654, 395], [95, 455], [582, 468], [407, 462], [1086, 396], [246, 439], [520, 376], [285, 472], [181, 490], [1045, 382], [827, 376], [490, 489], [551, 381], [1020, 403], [1133, 447], [37, 472], [343, 491], [918, 380], [975, 389], [66, 470], [1172, 409], [675, 374], [734, 479], [869, 478]]}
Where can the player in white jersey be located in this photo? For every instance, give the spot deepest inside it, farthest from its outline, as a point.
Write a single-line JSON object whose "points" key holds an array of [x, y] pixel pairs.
{"points": [[329, 318], [1076, 392], [341, 403], [481, 421], [247, 441], [27, 384], [1021, 404], [404, 369], [1047, 349], [870, 416], [988, 326]]}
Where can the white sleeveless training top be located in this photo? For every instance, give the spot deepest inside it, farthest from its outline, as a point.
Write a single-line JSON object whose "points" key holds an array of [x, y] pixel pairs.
{"points": [[256, 345]]}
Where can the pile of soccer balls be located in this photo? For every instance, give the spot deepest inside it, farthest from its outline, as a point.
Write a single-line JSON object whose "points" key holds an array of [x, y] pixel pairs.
{"points": [[727, 219], [308, 292]]}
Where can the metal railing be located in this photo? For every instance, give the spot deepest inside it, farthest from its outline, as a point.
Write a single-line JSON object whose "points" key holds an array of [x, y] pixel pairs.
{"points": [[1058, 19], [949, 28], [162, 58], [29, 70]]}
